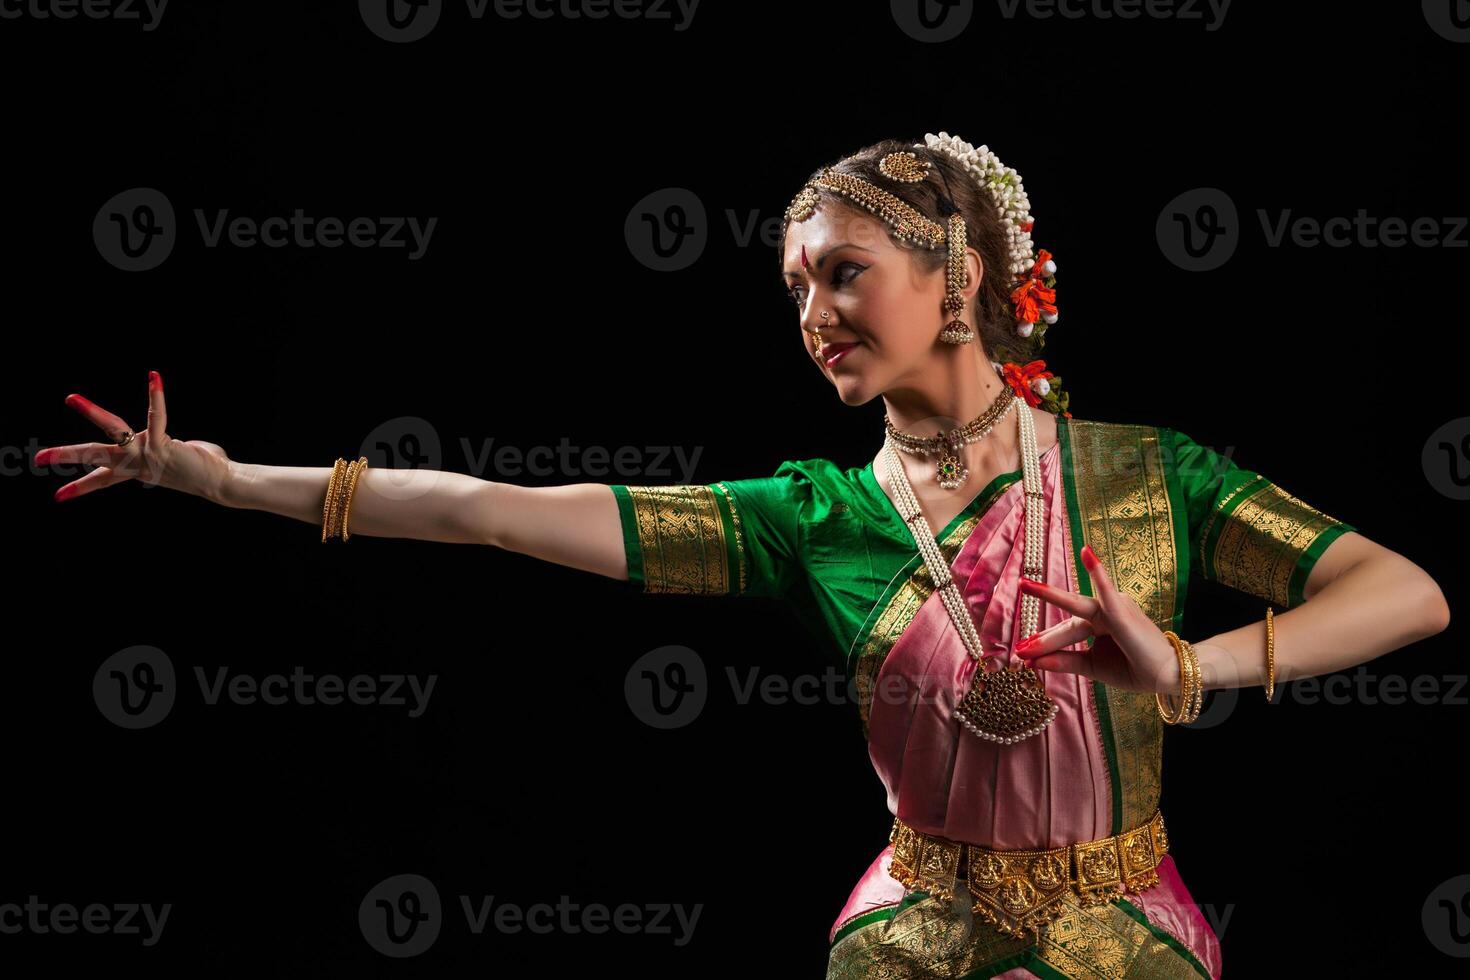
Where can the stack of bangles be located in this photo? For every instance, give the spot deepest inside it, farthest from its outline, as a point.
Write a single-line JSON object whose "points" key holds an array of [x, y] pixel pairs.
{"points": [[1191, 694], [1192, 689], [338, 505]]}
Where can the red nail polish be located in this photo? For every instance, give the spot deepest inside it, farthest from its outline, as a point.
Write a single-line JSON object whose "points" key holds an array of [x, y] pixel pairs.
{"points": [[65, 493], [153, 378]]}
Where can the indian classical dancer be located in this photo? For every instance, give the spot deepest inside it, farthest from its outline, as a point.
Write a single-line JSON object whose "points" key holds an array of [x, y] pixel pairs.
{"points": [[1007, 581]]}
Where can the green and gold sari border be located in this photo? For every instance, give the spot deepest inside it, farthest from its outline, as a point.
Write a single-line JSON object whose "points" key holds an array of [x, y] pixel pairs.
{"points": [[909, 898], [1265, 526], [1303, 569], [1129, 510], [681, 538], [1028, 958], [1162, 935], [1084, 586]]}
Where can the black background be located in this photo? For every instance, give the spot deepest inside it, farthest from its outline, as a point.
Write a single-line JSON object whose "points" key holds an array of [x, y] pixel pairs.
{"points": [[1319, 830]]}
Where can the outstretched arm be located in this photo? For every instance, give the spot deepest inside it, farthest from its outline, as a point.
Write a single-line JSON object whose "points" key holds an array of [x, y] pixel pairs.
{"points": [[575, 525]]}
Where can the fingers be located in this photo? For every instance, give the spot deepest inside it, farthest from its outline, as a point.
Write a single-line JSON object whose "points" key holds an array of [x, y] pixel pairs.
{"points": [[90, 453], [1102, 582], [1073, 602], [1071, 663], [97, 479], [1074, 630], [109, 423], [157, 413]]}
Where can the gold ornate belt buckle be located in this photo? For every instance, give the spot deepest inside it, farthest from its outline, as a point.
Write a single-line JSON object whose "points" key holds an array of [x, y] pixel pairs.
{"points": [[1019, 891]]}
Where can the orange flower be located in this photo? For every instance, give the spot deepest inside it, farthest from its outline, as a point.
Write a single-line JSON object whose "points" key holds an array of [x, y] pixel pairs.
{"points": [[1020, 377], [1033, 299]]}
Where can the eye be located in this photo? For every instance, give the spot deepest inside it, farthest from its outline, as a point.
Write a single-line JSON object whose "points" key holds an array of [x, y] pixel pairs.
{"points": [[839, 279]]}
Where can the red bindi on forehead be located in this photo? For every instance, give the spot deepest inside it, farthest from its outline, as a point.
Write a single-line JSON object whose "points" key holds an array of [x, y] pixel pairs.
{"points": [[804, 263]]}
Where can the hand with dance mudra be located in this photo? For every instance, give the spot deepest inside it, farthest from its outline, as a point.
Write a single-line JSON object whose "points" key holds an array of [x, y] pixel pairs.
{"points": [[149, 455], [1130, 651]]}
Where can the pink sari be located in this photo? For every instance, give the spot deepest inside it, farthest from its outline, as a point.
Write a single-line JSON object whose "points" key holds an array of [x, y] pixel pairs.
{"points": [[1048, 790]]}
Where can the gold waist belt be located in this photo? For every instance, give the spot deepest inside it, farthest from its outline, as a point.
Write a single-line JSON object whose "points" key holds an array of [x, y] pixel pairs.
{"points": [[1019, 891]]}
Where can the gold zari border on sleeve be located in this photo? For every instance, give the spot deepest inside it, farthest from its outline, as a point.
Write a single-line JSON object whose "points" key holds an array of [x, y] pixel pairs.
{"points": [[1262, 539], [682, 539]]}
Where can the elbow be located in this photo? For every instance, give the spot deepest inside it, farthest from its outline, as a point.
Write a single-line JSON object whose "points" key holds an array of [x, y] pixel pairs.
{"points": [[1438, 615]]}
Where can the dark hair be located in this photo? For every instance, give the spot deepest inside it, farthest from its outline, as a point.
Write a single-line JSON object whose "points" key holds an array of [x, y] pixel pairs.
{"points": [[948, 186]]}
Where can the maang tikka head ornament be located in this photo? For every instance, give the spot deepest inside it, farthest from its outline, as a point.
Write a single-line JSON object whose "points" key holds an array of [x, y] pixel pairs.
{"points": [[1033, 273]]}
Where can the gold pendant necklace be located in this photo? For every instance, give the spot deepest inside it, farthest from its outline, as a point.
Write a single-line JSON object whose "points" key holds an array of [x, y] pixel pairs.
{"points": [[950, 470], [1007, 704]]}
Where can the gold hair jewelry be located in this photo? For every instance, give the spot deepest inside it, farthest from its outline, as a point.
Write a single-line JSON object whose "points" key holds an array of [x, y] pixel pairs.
{"points": [[1270, 654], [956, 331], [1191, 692], [908, 223], [904, 167], [951, 471]]}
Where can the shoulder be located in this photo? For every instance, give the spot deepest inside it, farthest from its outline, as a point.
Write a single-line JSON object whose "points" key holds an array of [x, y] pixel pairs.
{"points": [[1083, 432]]}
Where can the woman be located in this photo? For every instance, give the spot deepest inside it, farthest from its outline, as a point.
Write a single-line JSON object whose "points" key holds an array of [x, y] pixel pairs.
{"points": [[1027, 839]]}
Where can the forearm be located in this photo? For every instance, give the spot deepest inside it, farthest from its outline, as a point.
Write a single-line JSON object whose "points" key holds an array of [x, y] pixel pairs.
{"points": [[1369, 610], [429, 505]]}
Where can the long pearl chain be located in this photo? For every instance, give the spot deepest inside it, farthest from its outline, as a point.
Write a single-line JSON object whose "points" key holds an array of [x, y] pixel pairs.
{"points": [[943, 576]]}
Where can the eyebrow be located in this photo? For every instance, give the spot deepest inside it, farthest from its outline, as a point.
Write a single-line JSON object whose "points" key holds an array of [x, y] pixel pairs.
{"points": [[823, 257]]}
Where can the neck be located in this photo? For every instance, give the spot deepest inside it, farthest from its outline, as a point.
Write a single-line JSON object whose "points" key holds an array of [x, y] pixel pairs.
{"points": [[950, 393]]}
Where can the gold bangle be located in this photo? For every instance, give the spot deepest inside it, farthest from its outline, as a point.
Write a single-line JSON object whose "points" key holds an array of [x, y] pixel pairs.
{"points": [[353, 472], [1186, 680], [328, 505], [1198, 692], [1270, 654]]}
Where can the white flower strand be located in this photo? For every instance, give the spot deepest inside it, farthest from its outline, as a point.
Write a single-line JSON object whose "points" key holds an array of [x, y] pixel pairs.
{"points": [[1004, 185]]}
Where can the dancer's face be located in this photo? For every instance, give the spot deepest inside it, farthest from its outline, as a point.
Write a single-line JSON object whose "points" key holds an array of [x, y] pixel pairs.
{"points": [[878, 297]]}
